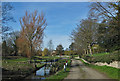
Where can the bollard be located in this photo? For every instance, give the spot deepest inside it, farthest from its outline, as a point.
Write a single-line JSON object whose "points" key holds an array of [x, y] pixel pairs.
{"points": [[66, 63], [64, 67]]}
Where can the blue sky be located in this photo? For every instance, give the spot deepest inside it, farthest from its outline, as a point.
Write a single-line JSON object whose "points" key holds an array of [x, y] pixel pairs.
{"points": [[62, 18], [59, 0]]}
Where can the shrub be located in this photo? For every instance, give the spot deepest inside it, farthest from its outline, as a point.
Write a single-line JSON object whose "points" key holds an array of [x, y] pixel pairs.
{"points": [[108, 58]]}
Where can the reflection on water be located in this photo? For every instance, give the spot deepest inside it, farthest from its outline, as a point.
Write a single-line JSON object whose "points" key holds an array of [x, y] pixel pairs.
{"points": [[41, 74], [43, 71]]}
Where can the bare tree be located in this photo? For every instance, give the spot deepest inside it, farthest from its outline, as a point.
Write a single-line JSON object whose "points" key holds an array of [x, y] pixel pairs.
{"points": [[84, 35], [50, 46], [0, 18], [12, 41], [33, 25], [7, 16], [108, 15], [104, 11]]}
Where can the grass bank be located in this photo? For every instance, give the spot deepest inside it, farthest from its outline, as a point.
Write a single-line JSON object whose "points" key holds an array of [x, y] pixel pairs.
{"points": [[60, 75], [99, 54], [103, 57], [111, 72], [18, 68], [44, 58], [47, 57]]}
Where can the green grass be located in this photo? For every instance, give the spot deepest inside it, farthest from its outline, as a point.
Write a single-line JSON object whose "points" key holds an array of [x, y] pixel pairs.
{"points": [[75, 55], [99, 54], [48, 57], [60, 75], [16, 60], [40, 65], [15, 64], [22, 62], [22, 59], [19, 66], [103, 57], [77, 58], [19, 63], [44, 58], [111, 72]]}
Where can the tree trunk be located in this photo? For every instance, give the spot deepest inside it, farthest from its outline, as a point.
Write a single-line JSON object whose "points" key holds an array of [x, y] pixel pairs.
{"points": [[87, 52], [119, 23], [31, 50], [90, 49], [119, 16]]}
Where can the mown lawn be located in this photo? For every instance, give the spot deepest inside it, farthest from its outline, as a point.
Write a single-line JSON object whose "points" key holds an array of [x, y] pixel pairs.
{"points": [[111, 72]]}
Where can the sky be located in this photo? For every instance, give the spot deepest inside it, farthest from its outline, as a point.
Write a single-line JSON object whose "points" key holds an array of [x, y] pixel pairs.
{"points": [[61, 17]]}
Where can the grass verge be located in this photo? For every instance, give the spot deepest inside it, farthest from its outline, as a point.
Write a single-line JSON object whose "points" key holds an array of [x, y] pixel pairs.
{"points": [[60, 75], [111, 72]]}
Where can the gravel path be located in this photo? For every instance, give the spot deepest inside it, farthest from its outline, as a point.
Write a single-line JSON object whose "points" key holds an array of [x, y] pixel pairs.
{"points": [[80, 71]]}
